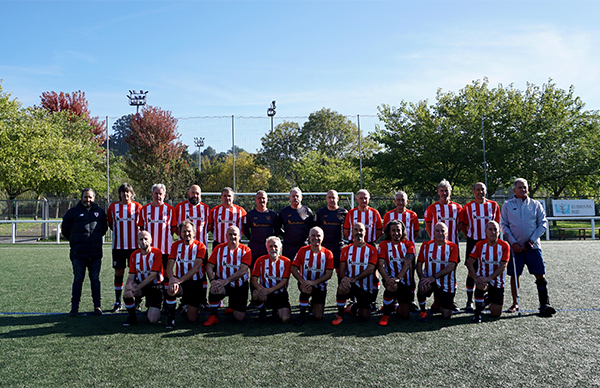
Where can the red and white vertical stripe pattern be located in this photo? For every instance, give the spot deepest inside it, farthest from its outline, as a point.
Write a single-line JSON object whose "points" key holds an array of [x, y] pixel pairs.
{"points": [[357, 260], [394, 258], [370, 219], [223, 218], [141, 265], [409, 218], [185, 256], [228, 262], [490, 258], [436, 258], [157, 221], [270, 273], [198, 214], [313, 265], [124, 221], [448, 214], [477, 215]]}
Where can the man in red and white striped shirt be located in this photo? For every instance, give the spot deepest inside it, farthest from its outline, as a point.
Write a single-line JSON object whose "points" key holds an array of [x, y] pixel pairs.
{"points": [[445, 211], [492, 257], [367, 216], [313, 267], [473, 220], [270, 278], [408, 217], [145, 279], [395, 264], [435, 267], [225, 215], [187, 255], [227, 271], [357, 265], [123, 221]]}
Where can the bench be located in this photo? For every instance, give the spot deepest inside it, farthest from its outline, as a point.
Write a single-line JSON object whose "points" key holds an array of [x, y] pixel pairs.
{"points": [[562, 232]]}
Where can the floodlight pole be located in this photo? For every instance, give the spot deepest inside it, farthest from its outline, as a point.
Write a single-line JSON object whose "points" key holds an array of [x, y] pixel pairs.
{"points": [[271, 113], [137, 99], [199, 141]]}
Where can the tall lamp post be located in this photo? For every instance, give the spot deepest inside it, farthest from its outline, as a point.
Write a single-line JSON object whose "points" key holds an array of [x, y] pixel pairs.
{"points": [[137, 99], [199, 141], [271, 113]]}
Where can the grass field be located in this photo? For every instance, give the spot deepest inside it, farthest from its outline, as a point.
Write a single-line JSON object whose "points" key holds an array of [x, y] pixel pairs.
{"points": [[40, 345]]}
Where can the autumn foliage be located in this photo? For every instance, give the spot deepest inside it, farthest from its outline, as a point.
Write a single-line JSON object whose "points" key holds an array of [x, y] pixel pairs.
{"points": [[76, 104]]}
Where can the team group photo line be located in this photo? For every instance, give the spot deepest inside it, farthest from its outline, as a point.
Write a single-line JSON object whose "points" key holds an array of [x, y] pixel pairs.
{"points": [[367, 253]]}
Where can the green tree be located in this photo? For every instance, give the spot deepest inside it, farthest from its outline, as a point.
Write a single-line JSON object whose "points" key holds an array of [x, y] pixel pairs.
{"points": [[318, 172], [121, 130], [250, 176]]}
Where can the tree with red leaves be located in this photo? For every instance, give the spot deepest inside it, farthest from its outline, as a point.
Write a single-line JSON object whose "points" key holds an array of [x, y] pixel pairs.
{"points": [[77, 105], [156, 152]]}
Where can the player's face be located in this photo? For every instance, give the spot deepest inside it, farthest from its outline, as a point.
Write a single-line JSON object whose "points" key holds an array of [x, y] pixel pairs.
{"points": [[261, 200], [358, 233], [332, 200], [362, 199], [274, 248], [187, 234], [400, 202], [295, 198], [479, 192], [444, 193], [158, 196], [194, 195], [315, 237], [87, 198], [233, 235], [396, 233], [144, 240], [521, 190], [227, 198], [440, 233], [491, 232], [125, 196]]}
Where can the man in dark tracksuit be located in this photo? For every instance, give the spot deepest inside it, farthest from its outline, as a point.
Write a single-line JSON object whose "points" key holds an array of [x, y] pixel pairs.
{"points": [[84, 225]]}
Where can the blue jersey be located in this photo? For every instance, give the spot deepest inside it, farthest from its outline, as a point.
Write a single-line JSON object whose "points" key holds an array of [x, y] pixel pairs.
{"points": [[332, 223]]}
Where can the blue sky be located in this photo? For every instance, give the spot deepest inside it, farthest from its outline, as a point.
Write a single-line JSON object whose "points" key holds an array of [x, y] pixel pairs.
{"points": [[203, 58]]}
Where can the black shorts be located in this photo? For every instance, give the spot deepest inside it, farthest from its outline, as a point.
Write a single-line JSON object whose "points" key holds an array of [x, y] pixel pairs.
{"points": [[238, 297], [281, 300], [442, 298], [404, 294], [192, 289], [470, 245], [120, 258], [495, 295], [363, 297], [318, 296], [153, 294], [165, 261]]}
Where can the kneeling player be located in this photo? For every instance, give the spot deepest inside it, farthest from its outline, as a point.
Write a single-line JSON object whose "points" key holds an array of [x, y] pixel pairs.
{"points": [[312, 267], [487, 265], [145, 279], [187, 254], [395, 264], [270, 278], [435, 267], [357, 265], [227, 271]]}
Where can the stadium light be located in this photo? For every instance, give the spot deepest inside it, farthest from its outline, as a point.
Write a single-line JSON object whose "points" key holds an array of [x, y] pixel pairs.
{"points": [[199, 141], [271, 113], [137, 99]]}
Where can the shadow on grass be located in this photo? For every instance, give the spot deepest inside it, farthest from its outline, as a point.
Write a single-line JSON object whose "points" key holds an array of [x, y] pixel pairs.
{"points": [[84, 325]]}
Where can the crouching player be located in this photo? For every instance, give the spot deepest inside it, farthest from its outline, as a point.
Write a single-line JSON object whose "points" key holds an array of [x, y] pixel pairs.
{"points": [[395, 264], [357, 264], [435, 267], [313, 267], [270, 278], [187, 254], [145, 279], [227, 271], [487, 265]]}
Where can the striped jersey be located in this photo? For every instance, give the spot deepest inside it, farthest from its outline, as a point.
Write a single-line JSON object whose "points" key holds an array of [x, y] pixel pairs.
{"points": [[448, 214], [227, 262], [141, 265], [222, 218], [394, 255], [270, 273], [408, 217], [370, 218], [477, 215], [199, 215], [490, 258], [436, 258], [185, 256], [357, 260], [157, 221], [123, 220], [314, 265]]}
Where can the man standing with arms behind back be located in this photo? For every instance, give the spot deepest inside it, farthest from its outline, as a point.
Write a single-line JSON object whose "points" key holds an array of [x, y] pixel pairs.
{"points": [[523, 222], [84, 225]]}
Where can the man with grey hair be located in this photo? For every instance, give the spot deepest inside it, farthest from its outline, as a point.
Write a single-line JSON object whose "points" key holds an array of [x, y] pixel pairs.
{"points": [[523, 222], [84, 225], [408, 217], [296, 221], [445, 211]]}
